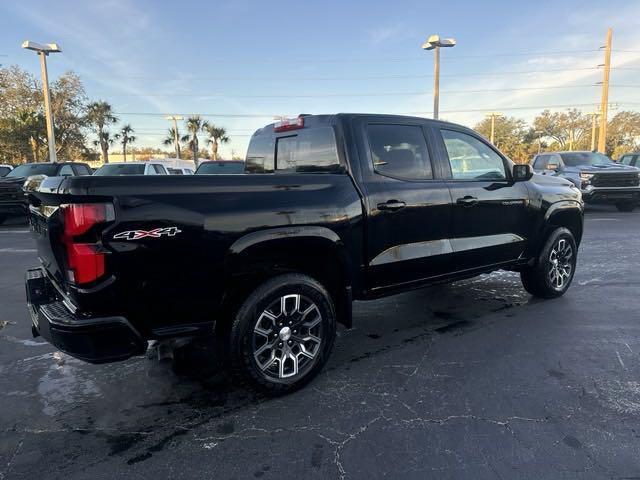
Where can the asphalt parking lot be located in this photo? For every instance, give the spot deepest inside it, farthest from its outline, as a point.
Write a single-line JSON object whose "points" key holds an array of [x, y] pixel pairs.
{"points": [[470, 380]]}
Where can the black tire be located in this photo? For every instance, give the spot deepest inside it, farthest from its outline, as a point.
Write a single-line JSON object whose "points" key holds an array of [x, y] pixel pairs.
{"points": [[626, 206], [546, 279], [261, 317]]}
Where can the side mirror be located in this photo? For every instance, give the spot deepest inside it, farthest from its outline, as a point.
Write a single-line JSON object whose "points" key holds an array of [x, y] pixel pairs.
{"points": [[552, 166], [522, 172]]}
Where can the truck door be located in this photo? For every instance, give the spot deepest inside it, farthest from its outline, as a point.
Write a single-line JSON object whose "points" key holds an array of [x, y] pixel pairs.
{"points": [[408, 205], [491, 219]]}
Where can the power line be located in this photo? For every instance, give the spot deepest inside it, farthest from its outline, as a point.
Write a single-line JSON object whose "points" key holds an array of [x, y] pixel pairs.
{"points": [[359, 77], [271, 115], [354, 94]]}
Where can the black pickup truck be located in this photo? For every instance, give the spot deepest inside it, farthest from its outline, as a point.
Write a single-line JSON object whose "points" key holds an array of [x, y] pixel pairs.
{"points": [[333, 208], [12, 199]]}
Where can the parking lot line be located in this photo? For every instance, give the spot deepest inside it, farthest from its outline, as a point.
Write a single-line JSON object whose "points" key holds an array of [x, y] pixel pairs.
{"points": [[18, 250], [14, 231]]}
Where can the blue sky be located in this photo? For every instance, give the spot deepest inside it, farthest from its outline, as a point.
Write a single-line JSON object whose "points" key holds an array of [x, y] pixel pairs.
{"points": [[249, 60]]}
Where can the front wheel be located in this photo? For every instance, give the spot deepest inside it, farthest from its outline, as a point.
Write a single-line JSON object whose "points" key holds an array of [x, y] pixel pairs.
{"points": [[626, 206], [282, 335], [553, 271]]}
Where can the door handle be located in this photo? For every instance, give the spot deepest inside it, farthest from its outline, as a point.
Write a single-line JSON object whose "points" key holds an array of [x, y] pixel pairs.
{"points": [[467, 201], [391, 205]]}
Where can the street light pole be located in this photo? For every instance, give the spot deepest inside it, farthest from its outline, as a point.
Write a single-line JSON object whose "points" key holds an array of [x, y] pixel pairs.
{"points": [[434, 42], [43, 51]]}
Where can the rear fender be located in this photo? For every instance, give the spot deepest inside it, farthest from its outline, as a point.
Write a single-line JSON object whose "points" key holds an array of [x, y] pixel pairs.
{"points": [[311, 250]]}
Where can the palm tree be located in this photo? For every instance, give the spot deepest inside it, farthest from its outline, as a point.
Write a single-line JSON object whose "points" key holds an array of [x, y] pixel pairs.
{"points": [[195, 125], [105, 140], [100, 115], [217, 135], [126, 138], [171, 139]]}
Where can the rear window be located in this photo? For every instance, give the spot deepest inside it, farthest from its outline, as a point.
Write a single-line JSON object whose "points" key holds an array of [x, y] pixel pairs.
{"points": [[312, 150], [107, 170], [220, 168], [302, 151]]}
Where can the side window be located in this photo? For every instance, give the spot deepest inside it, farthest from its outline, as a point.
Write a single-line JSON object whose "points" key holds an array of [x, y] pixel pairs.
{"points": [[66, 171], [82, 169], [312, 150], [541, 162], [626, 160], [472, 159], [159, 169], [399, 151], [260, 154]]}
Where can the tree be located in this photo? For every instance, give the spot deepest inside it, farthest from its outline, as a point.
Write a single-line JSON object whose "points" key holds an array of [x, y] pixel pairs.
{"points": [[623, 133], [170, 139], [69, 103], [509, 136], [100, 115], [569, 130], [126, 138], [217, 135], [105, 141], [195, 125], [23, 135]]}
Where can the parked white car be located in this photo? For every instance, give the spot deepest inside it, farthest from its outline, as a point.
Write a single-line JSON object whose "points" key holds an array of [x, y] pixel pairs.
{"points": [[132, 168]]}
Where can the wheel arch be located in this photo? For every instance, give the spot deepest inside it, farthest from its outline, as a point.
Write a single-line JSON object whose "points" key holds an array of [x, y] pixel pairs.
{"points": [[311, 250], [568, 214]]}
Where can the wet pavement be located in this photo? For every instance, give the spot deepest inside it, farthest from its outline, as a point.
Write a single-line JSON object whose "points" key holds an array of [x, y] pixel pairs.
{"points": [[470, 380]]}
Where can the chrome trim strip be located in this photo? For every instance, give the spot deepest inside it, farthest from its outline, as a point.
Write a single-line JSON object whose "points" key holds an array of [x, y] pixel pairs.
{"points": [[445, 246], [410, 251]]}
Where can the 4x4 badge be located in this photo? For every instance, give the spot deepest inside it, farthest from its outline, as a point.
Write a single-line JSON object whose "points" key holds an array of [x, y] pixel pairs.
{"points": [[155, 233]]}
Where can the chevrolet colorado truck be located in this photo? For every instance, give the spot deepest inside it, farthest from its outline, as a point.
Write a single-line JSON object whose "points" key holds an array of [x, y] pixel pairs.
{"points": [[600, 179], [332, 208], [13, 202]]}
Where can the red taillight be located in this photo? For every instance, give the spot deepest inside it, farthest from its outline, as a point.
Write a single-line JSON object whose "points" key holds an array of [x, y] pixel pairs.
{"points": [[85, 257], [289, 124]]}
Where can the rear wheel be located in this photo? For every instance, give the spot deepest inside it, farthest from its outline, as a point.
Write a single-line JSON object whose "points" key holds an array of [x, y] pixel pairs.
{"points": [[282, 335], [553, 271], [626, 206]]}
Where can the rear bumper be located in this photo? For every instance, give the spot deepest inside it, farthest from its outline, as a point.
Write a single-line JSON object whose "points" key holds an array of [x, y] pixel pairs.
{"points": [[611, 195], [92, 339]]}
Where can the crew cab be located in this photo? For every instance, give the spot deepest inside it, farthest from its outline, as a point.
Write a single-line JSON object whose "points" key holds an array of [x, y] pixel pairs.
{"points": [[600, 179], [332, 208], [12, 199]]}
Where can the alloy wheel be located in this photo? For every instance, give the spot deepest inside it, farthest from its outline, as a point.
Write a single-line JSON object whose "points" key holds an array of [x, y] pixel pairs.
{"points": [[560, 264], [287, 337]]}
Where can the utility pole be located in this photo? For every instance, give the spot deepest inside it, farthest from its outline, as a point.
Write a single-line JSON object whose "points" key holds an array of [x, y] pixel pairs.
{"points": [[602, 137], [434, 42], [43, 51], [493, 116], [176, 139]]}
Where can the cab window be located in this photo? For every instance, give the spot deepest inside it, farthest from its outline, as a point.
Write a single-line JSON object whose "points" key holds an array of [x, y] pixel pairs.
{"points": [[471, 158], [66, 171], [399, 151]]}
